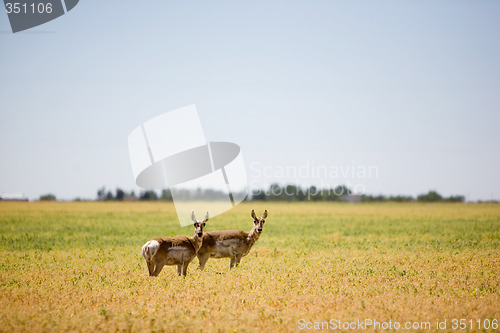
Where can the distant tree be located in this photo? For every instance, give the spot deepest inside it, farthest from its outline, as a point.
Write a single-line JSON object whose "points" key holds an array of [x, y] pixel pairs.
{"points": [[329, 195], [184, 194], [48, 197], [166, 195], [275, 192], [290, 192], [455, 198], [148, 195], [301, 194], [432, 196], [120, 194], [313, 193], [342, 191], [101, 194], [109, 196], [130, 196], [374, 198], [259, 195], [401, 198]]}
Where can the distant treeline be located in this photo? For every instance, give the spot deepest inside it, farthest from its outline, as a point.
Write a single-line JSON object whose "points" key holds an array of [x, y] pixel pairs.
{"points": [[121, 195], [275, 192], [341, 193], [163, 195]]}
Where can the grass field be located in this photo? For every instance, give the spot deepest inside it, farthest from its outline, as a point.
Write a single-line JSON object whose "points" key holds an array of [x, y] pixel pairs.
{"points": [[78, 267]]}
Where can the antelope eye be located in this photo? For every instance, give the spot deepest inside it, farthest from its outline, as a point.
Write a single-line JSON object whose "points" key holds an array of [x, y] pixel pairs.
{"points": [[263, 221]]}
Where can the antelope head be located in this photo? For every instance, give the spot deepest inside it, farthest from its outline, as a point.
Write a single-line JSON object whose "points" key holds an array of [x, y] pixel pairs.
{"points": [[258, 222], [199, 225]]}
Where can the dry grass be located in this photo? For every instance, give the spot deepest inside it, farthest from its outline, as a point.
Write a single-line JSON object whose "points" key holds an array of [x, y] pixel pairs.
{"points": [[78, 267]]}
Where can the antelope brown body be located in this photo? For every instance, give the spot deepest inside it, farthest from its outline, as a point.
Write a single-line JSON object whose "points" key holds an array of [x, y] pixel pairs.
{"points": [[233, 244], [178, 251]]}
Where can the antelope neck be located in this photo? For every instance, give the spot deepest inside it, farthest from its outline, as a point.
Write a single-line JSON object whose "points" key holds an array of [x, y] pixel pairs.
{"points": [[253, 236], [196, 241]]}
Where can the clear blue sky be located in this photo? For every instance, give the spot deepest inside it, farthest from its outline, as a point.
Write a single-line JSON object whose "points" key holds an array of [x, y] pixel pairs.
{"points": [[410, 87]]}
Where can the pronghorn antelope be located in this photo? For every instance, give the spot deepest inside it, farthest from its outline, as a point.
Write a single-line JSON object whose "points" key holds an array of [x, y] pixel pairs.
{"points": [[233, 244], [178, 251]]}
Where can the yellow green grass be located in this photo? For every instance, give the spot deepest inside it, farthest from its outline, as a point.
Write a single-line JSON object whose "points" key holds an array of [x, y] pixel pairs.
{"points": [[78, 267]]}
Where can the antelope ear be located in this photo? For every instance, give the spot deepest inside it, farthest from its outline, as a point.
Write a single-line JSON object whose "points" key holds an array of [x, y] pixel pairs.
{"points": [[193, 218], [265, 214], [206, 218], [253, 215]]}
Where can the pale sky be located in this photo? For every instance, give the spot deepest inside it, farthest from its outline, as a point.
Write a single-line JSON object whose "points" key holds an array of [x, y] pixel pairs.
{"points": [[410, 89]]}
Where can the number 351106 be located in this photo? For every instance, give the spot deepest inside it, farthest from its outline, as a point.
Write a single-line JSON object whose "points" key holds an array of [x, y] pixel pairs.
{"points": [[463, 324], [23, 8]]}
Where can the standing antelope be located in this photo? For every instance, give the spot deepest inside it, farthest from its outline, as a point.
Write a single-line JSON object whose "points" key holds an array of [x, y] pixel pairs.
{"points": [[233, 244], [178, 251]]}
